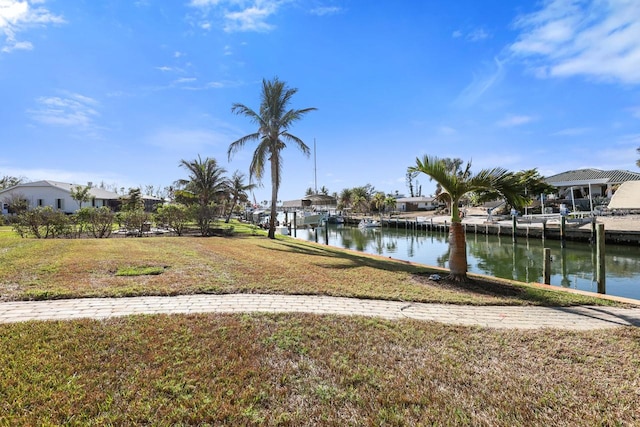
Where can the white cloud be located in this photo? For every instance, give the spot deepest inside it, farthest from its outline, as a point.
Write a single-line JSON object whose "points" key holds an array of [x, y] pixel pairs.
{"points": [[572, 132], [446, 130], [477, 35], [17, 16], [185, 80], [205, 3], [513, 120], [595, 38], [481, 84], [238, 15], [250, 19], [635, 112], [323, 11], [72, 110]]}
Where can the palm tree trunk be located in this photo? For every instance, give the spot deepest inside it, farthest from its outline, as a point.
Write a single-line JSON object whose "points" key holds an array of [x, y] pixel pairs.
{"points": [[457, 253], [275, 183], [233, 205]]}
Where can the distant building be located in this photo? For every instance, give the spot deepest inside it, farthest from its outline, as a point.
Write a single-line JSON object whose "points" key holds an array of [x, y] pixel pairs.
{"points": [[412, 204], [585, 183], [319, 202], [58, 196]]}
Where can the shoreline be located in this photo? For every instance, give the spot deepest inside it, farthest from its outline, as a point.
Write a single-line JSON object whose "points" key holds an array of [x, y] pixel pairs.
{"points": [[630, 222]]}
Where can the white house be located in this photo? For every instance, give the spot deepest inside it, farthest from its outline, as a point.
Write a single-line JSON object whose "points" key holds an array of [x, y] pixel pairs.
{"points": [[409, 204], [584, 183], [57, 195]]}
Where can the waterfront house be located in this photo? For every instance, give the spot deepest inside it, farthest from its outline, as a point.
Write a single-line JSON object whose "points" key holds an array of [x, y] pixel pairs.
{"points": [[585, 183], [412, 204]]}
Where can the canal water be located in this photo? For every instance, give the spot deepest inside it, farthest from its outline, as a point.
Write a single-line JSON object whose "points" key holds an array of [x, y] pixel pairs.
{"points": [[572, 267]]}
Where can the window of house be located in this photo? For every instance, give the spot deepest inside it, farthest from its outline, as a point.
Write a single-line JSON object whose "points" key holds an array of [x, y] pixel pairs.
{"points": [[93, 202], [40, 202], [59, 203]]}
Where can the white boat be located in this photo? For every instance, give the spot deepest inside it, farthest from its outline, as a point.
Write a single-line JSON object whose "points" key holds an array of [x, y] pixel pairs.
{"points": [[309, 219], [369, 223]]}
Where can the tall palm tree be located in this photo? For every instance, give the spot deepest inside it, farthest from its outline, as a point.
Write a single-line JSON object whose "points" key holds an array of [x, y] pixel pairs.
{"points": [[238, 191], [638, 161], [455, 185], [274, 121], [207, 183]]}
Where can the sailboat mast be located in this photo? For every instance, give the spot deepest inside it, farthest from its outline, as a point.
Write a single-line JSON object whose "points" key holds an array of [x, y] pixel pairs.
{"points": [[315, 168]]}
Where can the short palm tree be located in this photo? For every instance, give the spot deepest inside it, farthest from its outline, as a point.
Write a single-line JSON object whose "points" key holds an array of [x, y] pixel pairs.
{"points": [[345, 198], [377, 201], [238, 191], [390, 203], [274, 122], [207, 183], [455, 185]]}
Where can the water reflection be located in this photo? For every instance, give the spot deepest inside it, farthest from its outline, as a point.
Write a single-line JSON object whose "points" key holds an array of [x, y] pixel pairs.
{"points": [[572, 267]]}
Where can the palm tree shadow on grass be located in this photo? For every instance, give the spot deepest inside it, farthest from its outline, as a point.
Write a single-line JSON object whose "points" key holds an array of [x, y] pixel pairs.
{"points": [[354, 260], [419, 273]]}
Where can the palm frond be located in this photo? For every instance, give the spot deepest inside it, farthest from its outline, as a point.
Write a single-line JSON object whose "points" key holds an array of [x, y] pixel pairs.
{"points": [[237, 145]]}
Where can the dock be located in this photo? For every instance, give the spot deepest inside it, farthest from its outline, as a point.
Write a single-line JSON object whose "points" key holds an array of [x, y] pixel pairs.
{"points": [[504, 227]]}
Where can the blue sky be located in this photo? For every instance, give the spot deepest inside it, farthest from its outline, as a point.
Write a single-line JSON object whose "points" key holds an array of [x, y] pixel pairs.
{"points": [[119, 91]]}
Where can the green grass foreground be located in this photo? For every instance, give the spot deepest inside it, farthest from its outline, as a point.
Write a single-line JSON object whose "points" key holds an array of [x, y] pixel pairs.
{"points": [[291, 369], [305, 370]]}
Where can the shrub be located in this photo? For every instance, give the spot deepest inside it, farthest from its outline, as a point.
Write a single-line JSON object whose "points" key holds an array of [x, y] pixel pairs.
{"points": [[43, 223], [136, 222], [100, 222], [175, 216]]}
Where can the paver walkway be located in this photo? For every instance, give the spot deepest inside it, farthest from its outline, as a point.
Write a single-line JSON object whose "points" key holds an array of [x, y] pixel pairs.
{"points": [[529, 317]]}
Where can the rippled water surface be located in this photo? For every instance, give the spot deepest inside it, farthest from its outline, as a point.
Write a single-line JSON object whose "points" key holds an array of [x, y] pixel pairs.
{"points": [[572, 267]]}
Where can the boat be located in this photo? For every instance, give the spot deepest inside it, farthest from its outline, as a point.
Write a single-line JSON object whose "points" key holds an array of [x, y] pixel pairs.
{"points": [[335, 219], [369, 223], [309, 219]]}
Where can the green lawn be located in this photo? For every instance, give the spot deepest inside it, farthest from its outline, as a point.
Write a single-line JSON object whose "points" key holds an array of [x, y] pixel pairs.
{"points": [[290, 369], [313, 370], [70, 268]]}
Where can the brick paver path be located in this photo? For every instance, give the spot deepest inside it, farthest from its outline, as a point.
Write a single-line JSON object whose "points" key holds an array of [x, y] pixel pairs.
{"points": [[529, 317]]}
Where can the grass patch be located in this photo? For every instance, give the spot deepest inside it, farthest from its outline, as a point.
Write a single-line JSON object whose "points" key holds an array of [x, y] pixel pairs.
{"points": [[140, 271], [312, 370], [39, 269]]}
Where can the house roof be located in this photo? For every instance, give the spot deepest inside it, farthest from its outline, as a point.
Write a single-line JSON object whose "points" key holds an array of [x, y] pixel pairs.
{"points": [[98, 193], [311, 200], [415, 199], [593, 176], [627, 196]]}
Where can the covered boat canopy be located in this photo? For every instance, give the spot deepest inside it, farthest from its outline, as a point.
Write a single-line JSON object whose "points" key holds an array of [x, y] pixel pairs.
{"points": [[627, 196]]}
